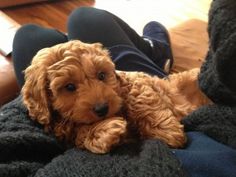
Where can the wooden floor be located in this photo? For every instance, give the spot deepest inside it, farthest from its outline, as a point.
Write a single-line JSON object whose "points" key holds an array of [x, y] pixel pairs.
{"points": [[134, 12], [49, 14]]}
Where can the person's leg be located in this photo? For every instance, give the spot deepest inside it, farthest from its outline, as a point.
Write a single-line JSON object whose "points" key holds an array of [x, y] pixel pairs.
{"points": [[203, 156], [29, 39], [94, 25]]}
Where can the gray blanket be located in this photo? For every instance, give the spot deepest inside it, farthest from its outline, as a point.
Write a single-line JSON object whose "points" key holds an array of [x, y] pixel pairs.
{"points": [[25, 150]]}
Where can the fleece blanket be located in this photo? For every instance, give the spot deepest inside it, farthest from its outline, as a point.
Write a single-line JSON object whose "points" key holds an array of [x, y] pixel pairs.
{"points": [[27, 151]]}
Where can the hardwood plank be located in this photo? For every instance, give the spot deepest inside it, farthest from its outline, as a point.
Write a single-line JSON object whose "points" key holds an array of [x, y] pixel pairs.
{"points": [[169, 12], [49, 14], [7, 3]]}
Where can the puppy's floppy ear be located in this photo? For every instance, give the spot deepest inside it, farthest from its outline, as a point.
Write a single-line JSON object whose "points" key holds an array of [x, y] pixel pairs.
{"points": [[35, 92]]}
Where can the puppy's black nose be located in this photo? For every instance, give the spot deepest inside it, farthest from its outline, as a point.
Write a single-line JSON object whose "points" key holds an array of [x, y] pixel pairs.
{"points": [[101, 109]]}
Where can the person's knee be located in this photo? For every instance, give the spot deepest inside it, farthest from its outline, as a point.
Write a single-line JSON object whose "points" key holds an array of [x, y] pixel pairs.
{"points": [[24, 33], [83, 21], [86, 17], [84, 14], [26, 30], [37, 37]]}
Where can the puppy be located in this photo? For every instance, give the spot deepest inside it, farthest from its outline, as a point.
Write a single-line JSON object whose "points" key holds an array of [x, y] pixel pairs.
{"points": [[74, 90]]}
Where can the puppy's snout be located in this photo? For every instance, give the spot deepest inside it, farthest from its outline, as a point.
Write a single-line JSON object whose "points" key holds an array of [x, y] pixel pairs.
{"points": [[101, 109]]}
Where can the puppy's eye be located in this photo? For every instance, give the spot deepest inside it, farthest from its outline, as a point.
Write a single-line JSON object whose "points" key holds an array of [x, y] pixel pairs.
{"points": [[101, 76], [70, 87]]}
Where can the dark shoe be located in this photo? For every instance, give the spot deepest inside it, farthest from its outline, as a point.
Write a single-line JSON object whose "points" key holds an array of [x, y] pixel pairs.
{"points": [[157, 35]]}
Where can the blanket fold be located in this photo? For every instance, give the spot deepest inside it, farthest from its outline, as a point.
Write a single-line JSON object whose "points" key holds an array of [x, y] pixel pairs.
{"points": [[24, 147], [217, 121], [147, 158]]}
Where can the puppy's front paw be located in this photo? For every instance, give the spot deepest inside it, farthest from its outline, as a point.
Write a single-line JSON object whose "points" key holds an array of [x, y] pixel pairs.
{"points": [[105, 135]]}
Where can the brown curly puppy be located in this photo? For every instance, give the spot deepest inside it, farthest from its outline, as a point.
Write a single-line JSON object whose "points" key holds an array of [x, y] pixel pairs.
{"points": [[74, 90]]}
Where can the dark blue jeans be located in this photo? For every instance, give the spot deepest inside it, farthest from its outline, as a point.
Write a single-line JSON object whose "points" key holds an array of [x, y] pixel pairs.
{"points": [[205, 157]]}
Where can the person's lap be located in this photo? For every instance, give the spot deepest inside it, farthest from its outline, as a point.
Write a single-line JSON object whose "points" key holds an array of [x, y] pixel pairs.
{"points": [[111, 32]]}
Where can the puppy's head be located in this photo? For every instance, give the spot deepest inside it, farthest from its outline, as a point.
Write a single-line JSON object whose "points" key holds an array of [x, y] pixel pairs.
{"points": [[76, 80]]}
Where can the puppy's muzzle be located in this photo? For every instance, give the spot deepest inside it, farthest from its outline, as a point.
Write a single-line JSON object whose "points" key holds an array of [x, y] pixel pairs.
{"points": [[101, 110]]}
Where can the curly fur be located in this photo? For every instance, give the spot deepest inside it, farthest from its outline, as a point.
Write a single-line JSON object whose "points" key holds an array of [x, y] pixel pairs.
{"points": [[66, 82]]}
